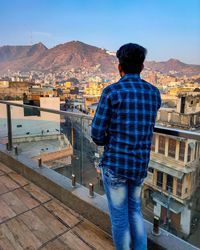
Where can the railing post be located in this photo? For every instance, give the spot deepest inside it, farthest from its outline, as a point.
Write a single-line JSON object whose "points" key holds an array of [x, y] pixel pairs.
{"points": [[72, 134], [91, 190], [156, 229], [81, 152], [73, 180], [9, 125], [40, 162], [16, 150]]}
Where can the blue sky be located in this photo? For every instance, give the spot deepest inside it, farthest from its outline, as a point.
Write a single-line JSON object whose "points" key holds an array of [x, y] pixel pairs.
{"points": [[167, 28]]}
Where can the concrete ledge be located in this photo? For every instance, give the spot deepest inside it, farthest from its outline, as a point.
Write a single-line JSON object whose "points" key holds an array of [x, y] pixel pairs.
{"points": [[94, 209]]}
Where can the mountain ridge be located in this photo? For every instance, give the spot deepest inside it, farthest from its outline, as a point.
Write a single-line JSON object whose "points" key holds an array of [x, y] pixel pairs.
{"points": [[76, 54]]}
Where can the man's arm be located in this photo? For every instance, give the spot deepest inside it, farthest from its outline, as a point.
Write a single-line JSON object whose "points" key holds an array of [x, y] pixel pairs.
{"points": [[101, 119]]}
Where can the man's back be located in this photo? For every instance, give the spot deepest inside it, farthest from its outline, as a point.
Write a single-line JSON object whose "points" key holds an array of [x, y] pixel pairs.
{"points": [[123, 124], [129, 108]]}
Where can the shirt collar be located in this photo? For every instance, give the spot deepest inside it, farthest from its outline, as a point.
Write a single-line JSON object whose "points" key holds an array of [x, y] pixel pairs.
{"points": [[131, 75]]}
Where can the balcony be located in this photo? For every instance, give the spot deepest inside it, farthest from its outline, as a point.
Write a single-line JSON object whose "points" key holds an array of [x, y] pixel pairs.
{"points": [[71, 184]]}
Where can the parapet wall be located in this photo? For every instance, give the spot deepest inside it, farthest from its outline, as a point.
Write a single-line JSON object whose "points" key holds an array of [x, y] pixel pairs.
{"points": [[175, 119]]}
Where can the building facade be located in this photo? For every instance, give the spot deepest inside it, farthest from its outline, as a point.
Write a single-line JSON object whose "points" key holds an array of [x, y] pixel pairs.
{"points": [[29, 122], [174, 170]]}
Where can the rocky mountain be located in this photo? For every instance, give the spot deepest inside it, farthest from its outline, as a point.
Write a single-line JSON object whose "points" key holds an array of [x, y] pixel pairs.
{"points": [[17, 58], [11, 53], [63, 57], [174, 67], [76, 54]]}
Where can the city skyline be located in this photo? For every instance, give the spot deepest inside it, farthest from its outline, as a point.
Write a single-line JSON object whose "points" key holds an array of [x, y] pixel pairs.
{"points": [[106, 24]]}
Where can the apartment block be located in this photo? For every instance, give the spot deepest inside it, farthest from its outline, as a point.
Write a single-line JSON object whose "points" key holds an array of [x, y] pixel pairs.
{"points": [[174, 168]]}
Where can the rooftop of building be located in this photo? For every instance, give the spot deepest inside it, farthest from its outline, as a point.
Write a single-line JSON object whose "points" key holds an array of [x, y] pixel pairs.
{"points": [[32, 146], [75, 199], [191, 93], [39, 209], [31, 218]]}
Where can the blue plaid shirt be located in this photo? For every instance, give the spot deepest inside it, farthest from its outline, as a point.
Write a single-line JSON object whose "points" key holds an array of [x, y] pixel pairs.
{"points": [[124, 124]]}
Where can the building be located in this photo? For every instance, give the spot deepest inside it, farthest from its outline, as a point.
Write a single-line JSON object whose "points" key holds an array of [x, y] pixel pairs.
{"points": [[189, 103], [14, 90], [90, 100], [37, 134], [35, 92], [174, 168], [29, 122], [92, 93], [92, 109], [4, 84]]}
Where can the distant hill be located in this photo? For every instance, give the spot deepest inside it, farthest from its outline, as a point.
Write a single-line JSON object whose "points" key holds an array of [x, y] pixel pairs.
{"points": [[173, 65], [76, 55], [63, 57], [21, 57], [8, 53]]}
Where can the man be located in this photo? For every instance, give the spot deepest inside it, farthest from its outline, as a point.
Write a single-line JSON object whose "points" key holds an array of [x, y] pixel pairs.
{"points": [[124, 124]]}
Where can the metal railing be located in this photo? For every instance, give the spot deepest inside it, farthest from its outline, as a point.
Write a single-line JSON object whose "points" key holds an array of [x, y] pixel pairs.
{"points": [[81, 118], [158, 129]]}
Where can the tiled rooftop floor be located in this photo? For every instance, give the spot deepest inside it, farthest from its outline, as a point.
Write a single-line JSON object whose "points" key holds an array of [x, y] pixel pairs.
{"points": [[30, 218]]}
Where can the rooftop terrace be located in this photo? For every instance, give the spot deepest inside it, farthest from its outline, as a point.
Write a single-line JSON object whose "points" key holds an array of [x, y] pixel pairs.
{"points": [[30, 218], [66, 217]]}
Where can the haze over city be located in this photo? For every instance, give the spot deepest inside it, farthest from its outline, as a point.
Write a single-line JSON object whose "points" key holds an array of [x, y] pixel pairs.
{"points": [[168, 29]]}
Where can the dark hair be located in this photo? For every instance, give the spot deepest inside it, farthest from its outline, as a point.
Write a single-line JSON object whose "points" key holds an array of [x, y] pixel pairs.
{"points": [[131, 57]]}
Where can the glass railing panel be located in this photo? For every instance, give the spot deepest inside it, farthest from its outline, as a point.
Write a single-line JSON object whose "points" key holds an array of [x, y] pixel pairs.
{"points": [[3, 124], [86, 154], [37, 134], [71, 129], [63, 141], [91, 156]]}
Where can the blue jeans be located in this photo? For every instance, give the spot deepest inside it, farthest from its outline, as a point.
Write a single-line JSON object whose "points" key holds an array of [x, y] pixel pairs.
{"points": [[124, 204]]}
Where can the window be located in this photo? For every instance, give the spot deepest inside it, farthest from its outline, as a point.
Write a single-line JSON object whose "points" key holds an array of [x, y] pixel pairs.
{"points": [[159, 179], [196, 151], [189, 154], [169, 186], [179, 187], [182, 105], [153, 143], [161, 147], [172, 148], [150, 170], [182, 151], [31, 111]]}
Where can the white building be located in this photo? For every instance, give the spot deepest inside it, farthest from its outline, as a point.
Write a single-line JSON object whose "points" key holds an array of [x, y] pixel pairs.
{"points": [[29, 122], [37, 133]]}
